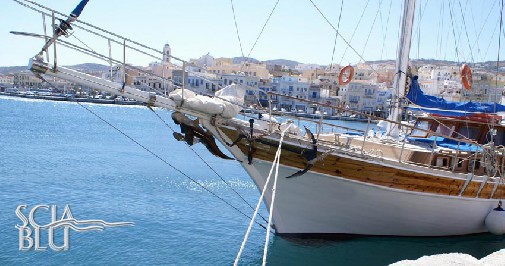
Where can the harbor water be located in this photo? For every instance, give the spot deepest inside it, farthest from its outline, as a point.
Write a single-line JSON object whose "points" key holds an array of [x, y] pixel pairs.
{"points": [[58, 153]]}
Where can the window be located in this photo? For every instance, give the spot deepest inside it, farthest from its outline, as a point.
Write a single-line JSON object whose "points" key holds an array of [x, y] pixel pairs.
{"points": [[445, 129], [468, 132], [421, 124]]}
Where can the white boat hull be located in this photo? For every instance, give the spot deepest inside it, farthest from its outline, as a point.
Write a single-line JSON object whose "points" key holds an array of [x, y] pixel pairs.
{"points": [[321, 204]]}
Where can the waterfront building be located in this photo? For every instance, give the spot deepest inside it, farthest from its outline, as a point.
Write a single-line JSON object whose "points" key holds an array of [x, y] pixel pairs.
{"points": [[367, 97], [147, 82], [199, 82], [294, 87], [117, 74], [249, 83], [26, 79], [6, 81], [445, 82], [204, 61], [265, 86], [303, 67], [222, 66]]}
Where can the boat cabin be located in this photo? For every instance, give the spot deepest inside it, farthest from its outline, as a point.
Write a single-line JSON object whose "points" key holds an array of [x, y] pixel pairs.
{"points": [[476, 127]]}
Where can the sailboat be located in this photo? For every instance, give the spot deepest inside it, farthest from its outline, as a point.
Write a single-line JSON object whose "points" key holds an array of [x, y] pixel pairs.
{"points": [[404, 182]]}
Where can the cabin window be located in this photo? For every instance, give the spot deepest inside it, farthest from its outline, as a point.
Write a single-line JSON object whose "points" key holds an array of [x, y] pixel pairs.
{"points": [[445, 130], [421, 124], [499, 139], [468, 132]]}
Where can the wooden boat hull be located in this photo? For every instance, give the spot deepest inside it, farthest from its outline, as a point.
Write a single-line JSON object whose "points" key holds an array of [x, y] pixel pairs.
{"points": [[343, 202]]}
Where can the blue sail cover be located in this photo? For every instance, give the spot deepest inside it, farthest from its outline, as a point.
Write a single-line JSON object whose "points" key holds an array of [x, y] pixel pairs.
{"points": [[432, 104]]}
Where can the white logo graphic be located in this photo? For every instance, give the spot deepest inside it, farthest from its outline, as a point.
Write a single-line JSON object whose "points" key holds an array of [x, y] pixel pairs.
{"points": [[67, 222]]}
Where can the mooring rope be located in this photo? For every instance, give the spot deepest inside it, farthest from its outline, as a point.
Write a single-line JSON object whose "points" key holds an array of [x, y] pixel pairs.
{"points": [[275, 164], [270, 215]]}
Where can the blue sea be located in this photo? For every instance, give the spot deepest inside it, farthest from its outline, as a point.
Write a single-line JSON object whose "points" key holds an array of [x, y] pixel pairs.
{"points": [[58, 153]]}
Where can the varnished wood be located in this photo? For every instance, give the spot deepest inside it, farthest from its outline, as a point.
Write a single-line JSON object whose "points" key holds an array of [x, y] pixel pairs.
{"points": [[367, 172]]}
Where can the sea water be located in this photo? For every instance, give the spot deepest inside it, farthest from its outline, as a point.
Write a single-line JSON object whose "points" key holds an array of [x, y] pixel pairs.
{"points": [[58, 153]]}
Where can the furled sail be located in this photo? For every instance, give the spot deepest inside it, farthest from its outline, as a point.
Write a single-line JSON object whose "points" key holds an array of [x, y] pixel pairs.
{"points": [[433, 104]]}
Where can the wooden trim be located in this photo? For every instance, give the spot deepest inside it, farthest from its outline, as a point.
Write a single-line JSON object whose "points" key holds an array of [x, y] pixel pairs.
{"points": [[366, 172]]}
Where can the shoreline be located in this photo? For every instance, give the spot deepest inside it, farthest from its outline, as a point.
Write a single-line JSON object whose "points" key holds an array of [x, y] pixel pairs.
{"points": [[70, 99]]}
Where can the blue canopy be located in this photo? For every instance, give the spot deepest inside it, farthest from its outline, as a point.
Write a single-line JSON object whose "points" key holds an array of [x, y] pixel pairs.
{"points": [[417, 96]]}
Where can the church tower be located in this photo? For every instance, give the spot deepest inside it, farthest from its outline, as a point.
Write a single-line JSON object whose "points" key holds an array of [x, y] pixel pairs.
{"points": [[166, 53]]}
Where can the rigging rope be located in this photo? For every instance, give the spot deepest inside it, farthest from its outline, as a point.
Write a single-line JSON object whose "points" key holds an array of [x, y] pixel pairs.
{"points": [[254, 45], [346, 42], [421, 15], [354, 32], [336, 34], [206, 163], [489, 43], [236, 28], [466, 32], [483, 24], [83, 43], [371, 28], [454, 33], [386, 30], [275, 163], [261, 32], [274, 189], [440, 31], [168, 164], [499, 47]]}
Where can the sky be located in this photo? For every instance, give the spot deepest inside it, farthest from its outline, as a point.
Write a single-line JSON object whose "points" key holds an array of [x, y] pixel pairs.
{"points": [[296, 29]]}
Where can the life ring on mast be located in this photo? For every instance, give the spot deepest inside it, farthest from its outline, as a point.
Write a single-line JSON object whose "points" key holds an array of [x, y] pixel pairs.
{"points": [[466, 76], [341, 80]]}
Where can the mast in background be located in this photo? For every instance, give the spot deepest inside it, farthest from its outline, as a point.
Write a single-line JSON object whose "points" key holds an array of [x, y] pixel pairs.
{"points": [[402, 62]]}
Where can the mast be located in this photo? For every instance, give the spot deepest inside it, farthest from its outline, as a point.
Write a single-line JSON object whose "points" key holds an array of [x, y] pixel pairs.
{"points": [[402, 62]]}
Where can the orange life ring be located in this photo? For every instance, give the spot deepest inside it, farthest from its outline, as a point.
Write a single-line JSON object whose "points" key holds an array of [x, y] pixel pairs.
{"points": [[349, 77], [466, 76]]}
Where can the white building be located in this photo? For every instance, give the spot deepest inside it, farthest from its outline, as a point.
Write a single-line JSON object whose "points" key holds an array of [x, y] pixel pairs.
{"points": [[249, 83], [366, 97], [6, 81], [294, 87], [199, 82]]}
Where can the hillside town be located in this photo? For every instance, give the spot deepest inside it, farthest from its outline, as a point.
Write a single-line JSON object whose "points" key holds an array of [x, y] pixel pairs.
{"points": [[302, 85]]}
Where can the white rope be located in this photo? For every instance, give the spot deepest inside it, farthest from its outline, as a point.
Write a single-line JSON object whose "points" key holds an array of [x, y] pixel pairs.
{"points": [[274, 163], [270, 215]]}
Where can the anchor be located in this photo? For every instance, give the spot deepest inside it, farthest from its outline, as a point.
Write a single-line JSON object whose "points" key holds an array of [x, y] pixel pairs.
{"points": [[309, 155], [192, 132]]}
